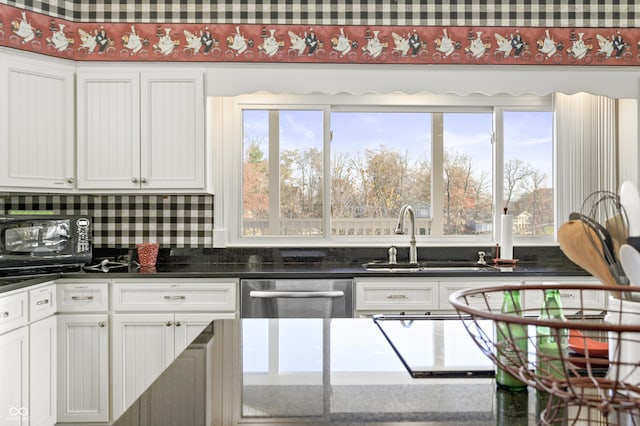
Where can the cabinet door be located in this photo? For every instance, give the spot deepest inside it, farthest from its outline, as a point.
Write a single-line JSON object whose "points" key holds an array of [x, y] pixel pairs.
{"points": [[108, 147], [36, 124], [43, 371], [172, 132], [188, 327], [14, 377], [83, 368], [143, 347]]}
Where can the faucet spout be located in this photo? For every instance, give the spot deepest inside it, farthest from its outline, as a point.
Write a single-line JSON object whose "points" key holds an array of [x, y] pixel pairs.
{"points": [[413, 250]]}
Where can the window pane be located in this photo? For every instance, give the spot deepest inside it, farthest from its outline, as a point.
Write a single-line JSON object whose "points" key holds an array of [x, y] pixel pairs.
{"points": [[379, 161], [528, 156], [290, 202], [467, 160]]}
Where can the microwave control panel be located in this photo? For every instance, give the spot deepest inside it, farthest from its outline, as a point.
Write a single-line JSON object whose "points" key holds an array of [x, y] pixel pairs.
{"points": [[83, 233]]}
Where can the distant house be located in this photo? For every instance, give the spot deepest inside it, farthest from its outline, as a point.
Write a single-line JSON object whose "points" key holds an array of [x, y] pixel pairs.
{"points": [[422, 209], [522, 223]]}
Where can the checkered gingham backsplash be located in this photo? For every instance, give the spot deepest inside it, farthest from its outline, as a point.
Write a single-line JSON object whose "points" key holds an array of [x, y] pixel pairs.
{"points": [[124, 220], [516, 13]]}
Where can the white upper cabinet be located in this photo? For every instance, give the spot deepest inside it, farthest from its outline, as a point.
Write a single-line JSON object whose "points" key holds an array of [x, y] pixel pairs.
{"points": [[108, 130], [36, 123], [140, 130], [172, 130]]}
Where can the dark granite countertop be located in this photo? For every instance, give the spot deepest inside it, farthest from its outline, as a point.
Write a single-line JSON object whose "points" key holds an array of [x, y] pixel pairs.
{"points": [[16, 283], [307, 263], [315, 270]]}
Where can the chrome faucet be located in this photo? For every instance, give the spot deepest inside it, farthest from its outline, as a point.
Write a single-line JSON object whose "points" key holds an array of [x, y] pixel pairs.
{"points": [[413, 251]]}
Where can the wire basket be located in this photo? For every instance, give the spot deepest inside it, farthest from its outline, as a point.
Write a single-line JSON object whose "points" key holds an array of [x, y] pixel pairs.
{"points": [[596, 365]]}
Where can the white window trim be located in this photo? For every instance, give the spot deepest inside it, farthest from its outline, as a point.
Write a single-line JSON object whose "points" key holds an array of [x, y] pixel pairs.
{"points": [[225, 132]]}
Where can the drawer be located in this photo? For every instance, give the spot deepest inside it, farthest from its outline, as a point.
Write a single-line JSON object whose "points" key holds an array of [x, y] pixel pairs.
{"points": [[491, 300], [401, 295], [572, 300], [13, 312], [174, 296], [42, 302], [83, 297]]}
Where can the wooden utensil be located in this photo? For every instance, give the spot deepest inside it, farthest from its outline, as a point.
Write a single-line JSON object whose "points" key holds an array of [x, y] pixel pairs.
{"points": [[576, 244], [618, 231]]}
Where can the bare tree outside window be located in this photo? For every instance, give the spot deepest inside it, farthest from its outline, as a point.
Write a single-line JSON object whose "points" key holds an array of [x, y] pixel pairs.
{"points": [[380, 161]]}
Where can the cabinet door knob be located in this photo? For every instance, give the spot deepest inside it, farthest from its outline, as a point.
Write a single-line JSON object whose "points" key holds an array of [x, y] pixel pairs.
{"points": [[4, 314], [134, 179], [102, 324], [143, 180], [178, 323], [168, 323], [70, 180]]}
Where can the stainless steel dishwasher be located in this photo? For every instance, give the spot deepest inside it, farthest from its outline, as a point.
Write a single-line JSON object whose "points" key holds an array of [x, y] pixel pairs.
{"points": [[296, 298]]}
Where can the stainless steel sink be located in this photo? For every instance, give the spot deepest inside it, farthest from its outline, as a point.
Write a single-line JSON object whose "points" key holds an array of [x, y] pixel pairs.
{"points": [[426, 267]]}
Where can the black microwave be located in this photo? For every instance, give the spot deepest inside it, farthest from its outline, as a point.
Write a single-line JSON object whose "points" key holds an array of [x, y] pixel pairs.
{"points": [[32, 241]]}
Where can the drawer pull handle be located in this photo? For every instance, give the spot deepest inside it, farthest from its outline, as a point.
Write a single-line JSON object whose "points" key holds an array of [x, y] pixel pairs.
{"points": [[397, 296], [102, 324], [81, 297], [42, 302], [4, 314], [295, 294], [178, 323], [168, 323], [566, 295], [175, 297]]}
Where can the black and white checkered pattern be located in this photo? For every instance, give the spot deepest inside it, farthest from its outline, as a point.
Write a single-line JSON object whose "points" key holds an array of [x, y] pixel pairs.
{"points": [[513, 13], [124, 220]]}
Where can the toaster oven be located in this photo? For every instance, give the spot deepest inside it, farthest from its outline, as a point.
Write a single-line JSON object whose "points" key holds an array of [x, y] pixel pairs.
{"points": [[37, 241]]}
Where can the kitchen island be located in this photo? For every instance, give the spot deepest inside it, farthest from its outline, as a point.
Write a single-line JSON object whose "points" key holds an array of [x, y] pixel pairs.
{"points": [[345, 371]]}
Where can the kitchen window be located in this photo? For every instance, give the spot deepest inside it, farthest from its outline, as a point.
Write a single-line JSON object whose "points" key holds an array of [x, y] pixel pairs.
{"points": [[337, 169]]}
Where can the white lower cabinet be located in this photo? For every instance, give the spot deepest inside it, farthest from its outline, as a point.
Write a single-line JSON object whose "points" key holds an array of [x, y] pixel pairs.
{"points": [[393, 295], [28, 357], [573, 300], [489, 300], [421, 295], [14, 377], [43, 371], [144, 345], [83, 368]]}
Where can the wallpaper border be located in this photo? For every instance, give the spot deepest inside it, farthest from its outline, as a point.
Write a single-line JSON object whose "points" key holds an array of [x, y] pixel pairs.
{"points": [[42, 34], [516, 13]]}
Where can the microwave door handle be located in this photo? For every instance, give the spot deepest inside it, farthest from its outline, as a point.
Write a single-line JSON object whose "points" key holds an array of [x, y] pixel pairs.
{"points": [[295, 294]]}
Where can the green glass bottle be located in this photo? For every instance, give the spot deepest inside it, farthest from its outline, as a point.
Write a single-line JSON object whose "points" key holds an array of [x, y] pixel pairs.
{"points": [[512, 408], [511, 342], [552, 342]]}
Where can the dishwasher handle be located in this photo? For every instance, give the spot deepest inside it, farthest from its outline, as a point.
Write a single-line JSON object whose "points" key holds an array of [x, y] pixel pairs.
{"points": [[295, 294]]}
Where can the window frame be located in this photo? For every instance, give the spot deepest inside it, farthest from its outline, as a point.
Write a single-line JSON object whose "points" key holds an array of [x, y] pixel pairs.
{"points": [[226, 125]]}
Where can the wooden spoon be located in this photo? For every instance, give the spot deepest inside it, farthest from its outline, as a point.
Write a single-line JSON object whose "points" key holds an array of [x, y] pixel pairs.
{"points": [[577, 245], [618, 231]]}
